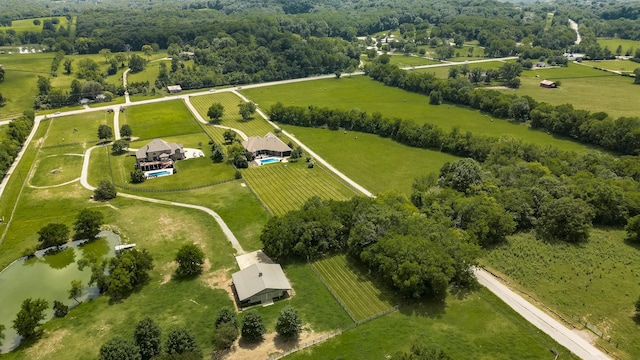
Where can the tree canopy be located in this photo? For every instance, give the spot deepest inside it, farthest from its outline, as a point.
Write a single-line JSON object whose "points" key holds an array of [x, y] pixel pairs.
{"points": [[119, 348], [88, 223], [31, 313], [190, 259], [252, 326], [147, 338], [289, 324], [53, 234]]}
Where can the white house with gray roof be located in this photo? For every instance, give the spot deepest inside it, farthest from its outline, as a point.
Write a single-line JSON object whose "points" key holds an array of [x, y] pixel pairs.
{"points": [[260, 284], [269, 145], [159, 154]]}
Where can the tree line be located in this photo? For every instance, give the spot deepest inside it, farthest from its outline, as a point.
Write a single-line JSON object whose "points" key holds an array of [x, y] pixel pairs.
{"points": [[621, 135], [17, 132]]}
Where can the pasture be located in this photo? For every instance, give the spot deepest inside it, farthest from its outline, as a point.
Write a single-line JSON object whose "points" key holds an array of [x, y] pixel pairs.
{"points": [[150, 121], [442, 72], [616, 65], [413, 60], [379, 164], [475, 326], [25, 25], [287, 186], [577, 82], [371, 96], [79, 129], [612, 44], [56, 169], [596, 281], [21, 76], [255, 126], [354, 287], [150, 73]]}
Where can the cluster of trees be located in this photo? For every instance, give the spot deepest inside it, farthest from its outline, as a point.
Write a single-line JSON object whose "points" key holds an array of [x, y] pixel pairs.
{"points": [[190, 259], [147, 344], [621, 135], [417, 255], [17, 132], [87, 226]]}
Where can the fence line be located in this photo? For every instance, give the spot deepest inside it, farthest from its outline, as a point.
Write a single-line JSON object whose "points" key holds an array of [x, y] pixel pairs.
{"points": [[332, 292], [264, 205], [129, 188], [339, 179]]}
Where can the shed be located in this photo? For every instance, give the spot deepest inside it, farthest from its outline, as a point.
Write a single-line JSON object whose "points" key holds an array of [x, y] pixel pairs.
{"points": [[548, 84], [174, 89], [260, 284]]}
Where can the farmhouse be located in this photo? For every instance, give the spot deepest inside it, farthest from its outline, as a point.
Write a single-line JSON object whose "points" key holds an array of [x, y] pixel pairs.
{"points": [[548, 84], [260, 284], [158, 154], [269, 145], [174, 89]]}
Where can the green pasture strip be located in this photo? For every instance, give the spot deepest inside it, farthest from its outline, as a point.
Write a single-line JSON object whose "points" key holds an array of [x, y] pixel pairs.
{"points": [[615, 93], [442, 72], [613, 44], [56, 169], [475, 326], [355, 289], [159, 120], [214, 133], [404, 61], [371, 96], [596, 281], [253, 127], [25, 25], [286, 187], [379, 164], [548, 21], [19, 87], [76, 129], [617, 65]]}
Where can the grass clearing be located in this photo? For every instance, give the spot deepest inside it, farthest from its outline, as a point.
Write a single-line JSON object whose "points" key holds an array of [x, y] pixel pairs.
{"points": [[253, 127], [287, 186], [616, 65], [19, 87], [159, 120], [596, 281], [371, 96], [79, 129], [379, 164], [477, 326], [355, 289], [57, 169], [442, 72], [25, 25], [612, 44], [405, 61], [578, 84]]}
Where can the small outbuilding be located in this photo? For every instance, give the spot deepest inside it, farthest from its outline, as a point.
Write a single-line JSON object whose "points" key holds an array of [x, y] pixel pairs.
{"points": [[548, 84], [174, 89], [260, 284]]}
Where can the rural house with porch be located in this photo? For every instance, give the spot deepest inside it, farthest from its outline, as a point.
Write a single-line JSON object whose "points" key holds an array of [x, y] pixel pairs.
{"points": [[158, 154], [269, 145]]}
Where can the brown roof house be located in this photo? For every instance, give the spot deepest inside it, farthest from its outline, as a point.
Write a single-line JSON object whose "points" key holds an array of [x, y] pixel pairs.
{"points": [[269, 145], [548, 84], [260, 284], [159, 154]]}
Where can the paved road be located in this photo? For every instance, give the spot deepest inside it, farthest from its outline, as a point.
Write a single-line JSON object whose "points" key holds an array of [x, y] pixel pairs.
{"points": [[116, 122], [225, 229], [540, 319], [574, 26]]}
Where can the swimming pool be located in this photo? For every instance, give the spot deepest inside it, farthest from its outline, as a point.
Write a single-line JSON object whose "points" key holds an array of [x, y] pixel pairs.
{"points": [[269, 161], [158, 173]]}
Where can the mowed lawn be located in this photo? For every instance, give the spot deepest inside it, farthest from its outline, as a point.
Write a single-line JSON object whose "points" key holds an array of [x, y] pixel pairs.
{"points": [[617, 65], [405, 61], [255, 126], [79, 129], [379, 164], [19, 87], [287, 186], [28, 25], [371, 96], [613, 44], [596, 281], [442, 72], [355, 289], [57, 169], [157, 120], [585, 88], [476, 326]]}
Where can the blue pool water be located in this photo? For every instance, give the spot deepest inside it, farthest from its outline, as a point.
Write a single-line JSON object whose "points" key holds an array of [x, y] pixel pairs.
{"points": [[268, 161], [152, 174]]}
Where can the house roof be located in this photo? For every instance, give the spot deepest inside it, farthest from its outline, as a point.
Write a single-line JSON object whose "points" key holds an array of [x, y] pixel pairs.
{"points": [[268, 142], [259, 277], [547, 82], [157, 145], [174, 88]]}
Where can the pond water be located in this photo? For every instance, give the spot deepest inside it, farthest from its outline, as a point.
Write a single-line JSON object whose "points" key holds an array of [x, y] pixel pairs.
{"points": [[48, 277]]}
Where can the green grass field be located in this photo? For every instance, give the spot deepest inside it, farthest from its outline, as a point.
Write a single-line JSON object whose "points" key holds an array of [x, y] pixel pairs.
{"points": [[27, 24], [617, 65], [442, 72], [371, 96], [77, 129], [167, 118], [477, 326], [596, 281], [578, 85], [286, 187], [354, 287], [404, 61], [21, 76], [613, 44], [379, 164], [57, 169], [150, 73], [253, 127]]}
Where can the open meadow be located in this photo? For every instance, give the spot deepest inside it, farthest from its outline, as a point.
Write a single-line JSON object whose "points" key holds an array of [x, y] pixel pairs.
{"points": [[362, 93], [411, 60], [612, 44], [287, 186], [624, 66], [379, 164], [578, 87], [595, 282], [74, 130], [354, 287], [255, 126], [150, 121], [19, 87], [442, 72], [25, 25]]}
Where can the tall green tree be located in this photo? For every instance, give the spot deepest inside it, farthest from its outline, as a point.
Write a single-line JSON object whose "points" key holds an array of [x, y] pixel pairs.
{"points": [[53, 234], [636, 72], [105, 132], [252, 326], [229, 136], [75, 290], [137, 63], [60, 310], [147, 337], [633, 229], [289, 324], [106, 53], [119, 349], [147, 50], [68, 66], [190, 259], [44, 85], [181, 341], [126, 131], [128, 271], [461, 175], [247, 109], [215, 112], [105, 191], [565, 219], [31, 313], [88, 223], [226, 315]]}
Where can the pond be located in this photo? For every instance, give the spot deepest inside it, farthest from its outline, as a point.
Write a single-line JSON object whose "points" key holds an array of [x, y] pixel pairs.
{"points": [[48, 277]]}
